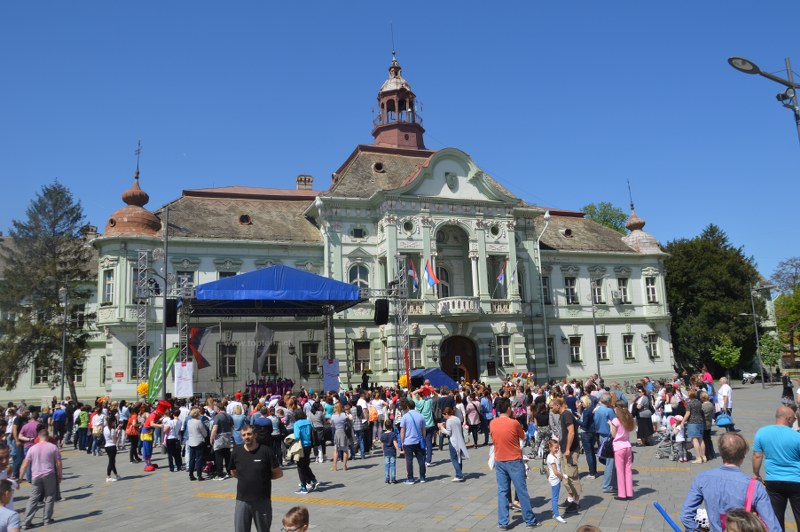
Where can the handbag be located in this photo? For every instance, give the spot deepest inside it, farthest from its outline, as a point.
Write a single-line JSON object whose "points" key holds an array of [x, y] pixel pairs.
{"points": [[606, 448], [724, 420]]}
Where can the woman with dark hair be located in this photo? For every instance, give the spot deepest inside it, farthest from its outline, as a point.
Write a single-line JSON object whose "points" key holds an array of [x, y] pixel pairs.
{"points": [[474, 418], [643, 412], [110, 434], [132, 432], [317, 419], [695, 423], [451, 427]]}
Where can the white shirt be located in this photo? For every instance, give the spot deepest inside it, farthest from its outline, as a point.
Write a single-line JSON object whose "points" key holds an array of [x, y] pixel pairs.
{"points": [[724, 391], [231, 406], [98, 420], [108, 434], [174, 428], [551, 477], [364, 408]]}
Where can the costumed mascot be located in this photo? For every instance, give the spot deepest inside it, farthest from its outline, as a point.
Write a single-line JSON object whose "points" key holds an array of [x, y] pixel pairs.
{"points": [[150, 424]]}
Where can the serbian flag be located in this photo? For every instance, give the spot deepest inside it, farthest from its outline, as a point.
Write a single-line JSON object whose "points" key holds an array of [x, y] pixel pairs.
{"points": [[412, 272], [197, 340], [502, 276], [428, 274]]}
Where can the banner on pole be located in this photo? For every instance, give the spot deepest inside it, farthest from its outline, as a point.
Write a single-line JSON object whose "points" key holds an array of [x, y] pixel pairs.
{"points": [[330, 375], [184, 383]]}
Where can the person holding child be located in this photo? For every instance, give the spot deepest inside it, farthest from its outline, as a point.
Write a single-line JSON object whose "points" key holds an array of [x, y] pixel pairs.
{"points": [[555, 476]]}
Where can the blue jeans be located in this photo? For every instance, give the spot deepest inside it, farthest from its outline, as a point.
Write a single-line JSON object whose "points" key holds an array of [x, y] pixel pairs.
{"points": [[390, 468], [360, 438], [485, 428], [507, 473], [455, 459], [196, 460], [587, 439], [554, 491], [414, 450], [19, 456], [609, 476], [81, 436], [429, 432]]}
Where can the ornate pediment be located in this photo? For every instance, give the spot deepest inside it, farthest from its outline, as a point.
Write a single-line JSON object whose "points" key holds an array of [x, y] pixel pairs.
{"points": [[186, 263], [228, 265]]}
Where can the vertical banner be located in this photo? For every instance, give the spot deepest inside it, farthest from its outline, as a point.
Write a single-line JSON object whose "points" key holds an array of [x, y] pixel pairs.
{"points": [[184, 383], [330, 375]]}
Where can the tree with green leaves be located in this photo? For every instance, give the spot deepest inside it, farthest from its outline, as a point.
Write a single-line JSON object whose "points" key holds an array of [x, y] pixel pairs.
{"points": [[771, 350], [724, 353], [606, 214], [708, 289], [787, 275], [45, 254], [787, 314]]}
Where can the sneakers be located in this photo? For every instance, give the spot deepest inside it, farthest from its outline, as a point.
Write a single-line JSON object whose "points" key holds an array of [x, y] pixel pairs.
{"points": [[560, 519], [314, 485], [301, 491], [457, 479], [114, 479], [592, 477], [409, 481], [108, 479], [535, 524], [422, 481], [428, 464]]}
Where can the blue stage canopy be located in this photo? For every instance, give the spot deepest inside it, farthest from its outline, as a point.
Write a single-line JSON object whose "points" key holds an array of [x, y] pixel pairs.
{"points": [[273, 291], [437, 377]]}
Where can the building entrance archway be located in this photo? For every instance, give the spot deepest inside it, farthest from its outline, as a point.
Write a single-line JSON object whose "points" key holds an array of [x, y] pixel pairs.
{"points": [[460, 358]]}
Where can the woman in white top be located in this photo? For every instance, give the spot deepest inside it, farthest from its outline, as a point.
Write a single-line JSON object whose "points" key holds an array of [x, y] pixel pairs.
{"points": [[380, 407], [110, 433]]}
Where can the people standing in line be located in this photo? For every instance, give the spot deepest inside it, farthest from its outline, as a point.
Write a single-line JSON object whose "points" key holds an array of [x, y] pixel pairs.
{"points": [[569, 454], [708, 422], [695, 424], [59, 424], [197, 439], [303, 432], [643, 412], [506, 434], [602, 415], [726, 487], [44, 462], [554, 477], [254, 466], [725, 401], [452, 428], [27, 435], [110, 435], [587, 434], [412, 434], [620, 428], [777, 447], [390, 450]]}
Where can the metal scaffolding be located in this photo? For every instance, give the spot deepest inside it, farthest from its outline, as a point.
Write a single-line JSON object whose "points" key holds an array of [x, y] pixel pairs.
{"points": [[142, 301]]}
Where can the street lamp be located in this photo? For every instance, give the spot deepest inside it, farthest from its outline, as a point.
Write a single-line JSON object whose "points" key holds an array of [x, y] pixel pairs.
{"points": [[755, 327], [434, 347], [63, 292], [546, 218], [787, 98]]}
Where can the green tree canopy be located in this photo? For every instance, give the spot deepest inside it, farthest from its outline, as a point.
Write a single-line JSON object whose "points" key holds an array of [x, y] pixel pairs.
{"points": [[724, 353], [787, 313], [45, 252], [771, 350], [606, 214], [708, 288]]}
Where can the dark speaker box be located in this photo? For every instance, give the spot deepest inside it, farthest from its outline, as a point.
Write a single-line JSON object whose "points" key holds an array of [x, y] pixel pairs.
{"points": [[381, 311], [171, 313]]}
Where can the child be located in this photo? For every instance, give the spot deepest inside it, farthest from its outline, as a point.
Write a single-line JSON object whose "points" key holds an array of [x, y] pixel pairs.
{"points": [[296, 519], [390, 448], [680, 437], [9, 519], [555, 477]]}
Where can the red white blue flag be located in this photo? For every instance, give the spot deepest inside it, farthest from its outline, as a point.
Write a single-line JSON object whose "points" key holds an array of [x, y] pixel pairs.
{"points": [[412, 272], [428, 274], [197, 341], [502, 275]]}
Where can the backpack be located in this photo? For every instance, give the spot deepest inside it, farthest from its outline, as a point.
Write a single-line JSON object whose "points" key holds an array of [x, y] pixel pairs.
{"points": [[437, 412], [373, 414]]}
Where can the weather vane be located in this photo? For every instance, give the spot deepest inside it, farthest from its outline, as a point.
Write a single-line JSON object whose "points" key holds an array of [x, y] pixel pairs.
{"points": [[138, 152], [630, 195]]}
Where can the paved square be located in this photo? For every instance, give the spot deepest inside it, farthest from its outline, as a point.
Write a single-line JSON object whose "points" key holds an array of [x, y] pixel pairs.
{"points": [[358, 499]]}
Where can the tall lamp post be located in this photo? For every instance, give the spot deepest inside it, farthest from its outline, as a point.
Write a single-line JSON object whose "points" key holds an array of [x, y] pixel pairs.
{"points": [[64, 293], [541, 296], [755, 328], [787, 98]]}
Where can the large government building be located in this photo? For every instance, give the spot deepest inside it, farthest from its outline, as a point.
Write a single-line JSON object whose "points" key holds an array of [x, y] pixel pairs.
{"points": [[521, 288]]}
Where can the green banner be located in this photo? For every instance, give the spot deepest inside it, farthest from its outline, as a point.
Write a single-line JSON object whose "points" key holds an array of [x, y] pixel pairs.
{"points": [[154, 383]]}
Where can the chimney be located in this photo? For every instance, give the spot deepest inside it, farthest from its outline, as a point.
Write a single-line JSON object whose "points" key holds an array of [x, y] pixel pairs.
{"points": [[89, 232], [304, 182]]}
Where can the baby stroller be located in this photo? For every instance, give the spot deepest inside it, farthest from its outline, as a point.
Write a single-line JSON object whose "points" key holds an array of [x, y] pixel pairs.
{"points": [[666, 446]]}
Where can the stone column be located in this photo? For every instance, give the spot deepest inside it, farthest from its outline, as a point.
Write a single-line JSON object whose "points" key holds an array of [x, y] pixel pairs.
{"points": [[474, 264]]}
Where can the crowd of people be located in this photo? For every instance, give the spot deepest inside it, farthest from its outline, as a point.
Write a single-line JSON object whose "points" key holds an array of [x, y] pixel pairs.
{"points": [[252, 438]]}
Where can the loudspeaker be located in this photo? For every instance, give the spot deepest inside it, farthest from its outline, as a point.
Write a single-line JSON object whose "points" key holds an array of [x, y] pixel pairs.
{"points": [[381, 311], [171, 313]]}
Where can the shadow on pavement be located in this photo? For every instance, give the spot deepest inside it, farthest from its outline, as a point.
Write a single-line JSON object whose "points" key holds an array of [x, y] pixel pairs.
{"points": [[81, 516]]}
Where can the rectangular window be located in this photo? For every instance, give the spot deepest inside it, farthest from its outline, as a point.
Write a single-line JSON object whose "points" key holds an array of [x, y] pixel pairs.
{"points": [[108, 286], [551, 352], [597, 292], [546, 290], [602, 348], [184, 277], [132, 367], [362, 356], [227, 358], [570, 290], [575, 349], [271, 363], [504, 350], [652, 346], [415, 352], [385, 353], [310, 354], [79, 372], [223, 275], [622, 288], [40, 374], [134, 284], [627, 346], [650, 287], [102, 370]]}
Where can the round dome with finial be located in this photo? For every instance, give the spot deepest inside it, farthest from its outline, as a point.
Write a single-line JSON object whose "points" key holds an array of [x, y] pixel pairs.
{"points": [[133, 219], [395, 81], [634, 222]]}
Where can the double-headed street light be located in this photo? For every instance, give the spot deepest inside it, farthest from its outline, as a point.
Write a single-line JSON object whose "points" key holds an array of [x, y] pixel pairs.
{"points": [[787, 98], [753, 291], [63, 292]]}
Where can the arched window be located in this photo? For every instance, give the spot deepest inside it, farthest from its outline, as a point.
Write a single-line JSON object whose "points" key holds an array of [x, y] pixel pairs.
{"points": [[359, 276], [444, 281]]}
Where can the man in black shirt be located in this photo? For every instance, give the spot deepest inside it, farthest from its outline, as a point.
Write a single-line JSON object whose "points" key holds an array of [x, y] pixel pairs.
{"points": [[255, 467], [569, 453]]}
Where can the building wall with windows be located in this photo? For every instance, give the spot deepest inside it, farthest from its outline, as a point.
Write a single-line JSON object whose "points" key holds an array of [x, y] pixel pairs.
{"points": [[517, 291]]}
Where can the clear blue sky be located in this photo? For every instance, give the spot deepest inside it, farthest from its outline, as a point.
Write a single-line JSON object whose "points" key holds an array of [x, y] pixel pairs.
{"points": [[559, 101]]}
